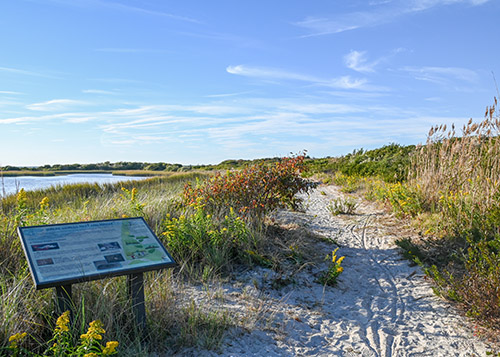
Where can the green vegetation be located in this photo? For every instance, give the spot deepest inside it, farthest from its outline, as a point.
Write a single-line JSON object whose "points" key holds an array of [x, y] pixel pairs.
{"points": [[212, 224], [253, 191], [390, 163], [207, 243], [342, 206], [450, 188], [334, 269], [129, 168]]}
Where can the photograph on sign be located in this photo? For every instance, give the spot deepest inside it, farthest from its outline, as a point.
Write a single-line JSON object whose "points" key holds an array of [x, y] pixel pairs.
{"points": [[77, 251]]}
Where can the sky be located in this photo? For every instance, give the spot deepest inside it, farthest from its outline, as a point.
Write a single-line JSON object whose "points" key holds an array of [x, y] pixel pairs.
{"points": [[199, 82]]}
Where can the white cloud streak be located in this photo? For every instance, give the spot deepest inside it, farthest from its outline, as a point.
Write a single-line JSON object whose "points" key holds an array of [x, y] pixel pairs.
{"points": [[343, 82], [98, 91], [442, 75], [386, 12], [55, 105], [22, 72], [122, 7]]}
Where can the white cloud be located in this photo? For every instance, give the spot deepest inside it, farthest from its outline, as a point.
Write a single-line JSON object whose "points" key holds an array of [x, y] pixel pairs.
{"points": [[54, 105], [387, 11], [356, 61], [123, 7], [324, 26], [419, 5], [442, 75], [270, 73], [22, 72], [10, 92], [98, 91], [129, 50], [344, 82], [62, 117]]}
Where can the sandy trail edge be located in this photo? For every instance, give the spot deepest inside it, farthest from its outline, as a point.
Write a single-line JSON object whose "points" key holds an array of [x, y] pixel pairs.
{"points": [[381, 306]]}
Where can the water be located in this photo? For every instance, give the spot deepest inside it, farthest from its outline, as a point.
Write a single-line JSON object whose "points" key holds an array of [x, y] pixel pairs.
{"points": [[30, 183]]}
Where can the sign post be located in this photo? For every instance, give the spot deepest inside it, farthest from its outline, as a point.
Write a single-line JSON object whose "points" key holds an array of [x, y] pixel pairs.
{"points": [[135, 284], [64, 299], [60, 255]]}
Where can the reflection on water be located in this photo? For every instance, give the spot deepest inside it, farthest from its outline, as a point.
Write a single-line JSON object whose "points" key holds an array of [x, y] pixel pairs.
{"points": [[10, 185]]}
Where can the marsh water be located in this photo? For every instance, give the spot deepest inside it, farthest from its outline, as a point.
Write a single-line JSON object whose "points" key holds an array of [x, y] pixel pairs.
{"points": [[11, 185]]}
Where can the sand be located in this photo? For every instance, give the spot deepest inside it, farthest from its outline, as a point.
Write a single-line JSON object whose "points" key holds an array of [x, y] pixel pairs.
{"points": [[381, 306]]}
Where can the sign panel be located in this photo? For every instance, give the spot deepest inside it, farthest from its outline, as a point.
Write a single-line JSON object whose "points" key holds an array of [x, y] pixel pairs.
{"points": [[61, 254]]}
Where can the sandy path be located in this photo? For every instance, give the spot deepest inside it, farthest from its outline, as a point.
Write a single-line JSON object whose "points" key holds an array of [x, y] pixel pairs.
{"points": [[381, 306]]}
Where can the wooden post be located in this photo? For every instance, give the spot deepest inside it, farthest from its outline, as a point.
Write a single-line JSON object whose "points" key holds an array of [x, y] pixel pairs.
{"points": [[135, 283], [64, 299]]}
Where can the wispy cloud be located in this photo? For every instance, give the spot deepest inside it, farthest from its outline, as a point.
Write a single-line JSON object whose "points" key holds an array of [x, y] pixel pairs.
{"points": [[141, 10], [23, 72], [130, 50], [442, 75], [343, 82], [357, 61], [10, 92], [225, 95], [384, 12], [99, 91], [63, 117], [55, 105], [122, 7], [419, 5], [251, 126]]}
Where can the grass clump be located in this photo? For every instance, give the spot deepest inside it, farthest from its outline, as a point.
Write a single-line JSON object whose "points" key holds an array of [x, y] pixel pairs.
{"points": [[342, 206]]}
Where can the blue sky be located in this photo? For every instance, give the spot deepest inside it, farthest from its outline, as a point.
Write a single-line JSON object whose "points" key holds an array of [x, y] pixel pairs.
{"points": [[195, 82]]}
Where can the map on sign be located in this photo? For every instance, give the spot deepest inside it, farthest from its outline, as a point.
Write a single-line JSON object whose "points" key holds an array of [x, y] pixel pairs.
{"points": [[65, 253]]}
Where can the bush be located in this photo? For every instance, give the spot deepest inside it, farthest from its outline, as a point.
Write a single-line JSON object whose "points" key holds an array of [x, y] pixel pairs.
{"points": [[253, 191]]}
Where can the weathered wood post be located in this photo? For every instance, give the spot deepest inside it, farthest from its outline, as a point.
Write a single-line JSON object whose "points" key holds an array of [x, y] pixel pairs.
{"points": [[64, 299], [135, 284]]}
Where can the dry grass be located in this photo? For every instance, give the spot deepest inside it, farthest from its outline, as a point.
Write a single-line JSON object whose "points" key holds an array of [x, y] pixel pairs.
{"points": [[461, 175]]}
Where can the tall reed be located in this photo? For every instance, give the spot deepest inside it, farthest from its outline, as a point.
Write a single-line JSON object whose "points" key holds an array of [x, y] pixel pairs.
{"points": [[460, 175]]}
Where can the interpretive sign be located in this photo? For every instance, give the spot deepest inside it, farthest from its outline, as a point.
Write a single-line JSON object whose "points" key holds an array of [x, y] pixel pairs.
{"points": [[63, 254]]}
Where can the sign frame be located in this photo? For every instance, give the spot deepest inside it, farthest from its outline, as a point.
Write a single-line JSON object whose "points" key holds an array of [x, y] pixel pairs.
{"points": [[30, 250]]}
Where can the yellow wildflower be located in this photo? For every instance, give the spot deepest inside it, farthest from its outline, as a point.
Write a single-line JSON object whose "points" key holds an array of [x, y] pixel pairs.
{"points": [[94, 331], [44, 203], [110, 348], [91, 354], [62, 322], [14, 339]]}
